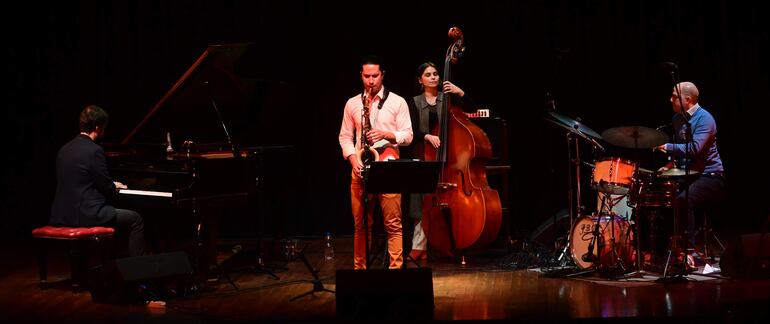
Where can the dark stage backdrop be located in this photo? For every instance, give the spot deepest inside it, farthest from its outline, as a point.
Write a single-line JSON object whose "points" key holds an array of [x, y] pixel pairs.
{"points": [[600, 60]]}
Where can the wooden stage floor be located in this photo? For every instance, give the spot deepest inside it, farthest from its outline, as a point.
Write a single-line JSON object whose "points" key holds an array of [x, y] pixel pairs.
{"points": [[484, 289]]}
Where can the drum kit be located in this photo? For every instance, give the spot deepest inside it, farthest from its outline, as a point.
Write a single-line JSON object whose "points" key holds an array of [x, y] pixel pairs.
{"points": [[609, 240]]}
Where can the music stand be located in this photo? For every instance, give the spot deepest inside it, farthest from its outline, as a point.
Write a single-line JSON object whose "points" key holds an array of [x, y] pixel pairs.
{"points": [[398, 176]]}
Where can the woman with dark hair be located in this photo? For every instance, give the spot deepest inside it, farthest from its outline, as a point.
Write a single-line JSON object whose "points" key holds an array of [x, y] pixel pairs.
{"points": [[425, 115]]}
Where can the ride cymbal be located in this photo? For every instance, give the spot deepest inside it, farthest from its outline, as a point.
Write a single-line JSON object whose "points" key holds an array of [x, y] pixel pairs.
{"points": [[635, 137], [677, 172]]}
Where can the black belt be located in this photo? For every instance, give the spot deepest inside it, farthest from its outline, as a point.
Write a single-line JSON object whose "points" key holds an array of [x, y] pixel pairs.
{"points": [[715, 175]]}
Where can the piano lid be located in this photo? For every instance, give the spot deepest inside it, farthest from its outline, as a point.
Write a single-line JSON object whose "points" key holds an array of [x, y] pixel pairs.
{"points": [[220, 79]]}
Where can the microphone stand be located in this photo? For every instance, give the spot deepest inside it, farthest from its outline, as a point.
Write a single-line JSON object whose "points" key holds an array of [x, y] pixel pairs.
{"points": [[551, 106], [256, 189], [685, 208], [571, 207]]}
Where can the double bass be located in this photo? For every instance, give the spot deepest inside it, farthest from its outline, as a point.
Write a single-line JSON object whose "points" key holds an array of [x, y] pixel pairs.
{"points": [[464, 213]]}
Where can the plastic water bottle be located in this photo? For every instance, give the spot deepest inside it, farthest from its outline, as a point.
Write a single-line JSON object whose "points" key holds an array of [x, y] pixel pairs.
{"points": [[328, 247]]}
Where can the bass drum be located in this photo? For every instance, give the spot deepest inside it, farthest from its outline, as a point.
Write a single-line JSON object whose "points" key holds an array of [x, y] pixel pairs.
{"points": [[582, 235]]}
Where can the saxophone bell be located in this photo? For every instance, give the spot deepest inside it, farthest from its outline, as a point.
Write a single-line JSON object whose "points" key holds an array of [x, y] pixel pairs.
{"points": [[366, 155]]}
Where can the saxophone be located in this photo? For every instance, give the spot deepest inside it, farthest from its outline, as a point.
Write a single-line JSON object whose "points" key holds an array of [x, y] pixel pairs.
{"points": [[366, 154]]}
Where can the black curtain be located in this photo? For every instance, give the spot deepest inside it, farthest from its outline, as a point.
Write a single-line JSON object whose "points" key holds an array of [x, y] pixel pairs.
{"points": [[600, 61]]}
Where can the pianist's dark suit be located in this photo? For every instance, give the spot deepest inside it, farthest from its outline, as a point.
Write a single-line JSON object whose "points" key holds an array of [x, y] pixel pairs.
{"points": [[82, 187]]}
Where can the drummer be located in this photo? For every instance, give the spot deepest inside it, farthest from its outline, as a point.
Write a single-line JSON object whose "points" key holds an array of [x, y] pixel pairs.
{"points": [[708, 186]]}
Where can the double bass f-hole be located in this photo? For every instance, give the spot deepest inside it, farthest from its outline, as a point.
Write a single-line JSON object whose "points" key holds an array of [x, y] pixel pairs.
{"points": [[462, 180]]}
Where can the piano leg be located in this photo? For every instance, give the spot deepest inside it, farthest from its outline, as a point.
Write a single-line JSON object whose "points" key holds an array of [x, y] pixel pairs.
{"points": [[205, 247]]}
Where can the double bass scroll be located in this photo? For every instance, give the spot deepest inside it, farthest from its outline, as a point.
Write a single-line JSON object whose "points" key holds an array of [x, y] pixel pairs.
{"points": [[464, 213]]}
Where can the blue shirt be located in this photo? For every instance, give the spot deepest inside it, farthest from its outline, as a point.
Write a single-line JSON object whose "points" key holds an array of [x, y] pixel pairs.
{"points": [[703, 147]]}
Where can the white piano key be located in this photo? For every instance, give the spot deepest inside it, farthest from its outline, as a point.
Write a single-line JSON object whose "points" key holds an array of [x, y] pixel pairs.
{"points": [[146, 193]]}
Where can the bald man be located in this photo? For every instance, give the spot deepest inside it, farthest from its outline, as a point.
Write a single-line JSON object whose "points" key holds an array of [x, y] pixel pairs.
{"points": [[703, 157]]}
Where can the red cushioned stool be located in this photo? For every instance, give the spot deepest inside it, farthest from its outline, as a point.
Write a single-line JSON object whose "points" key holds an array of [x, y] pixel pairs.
{"points": [[77, 237]]}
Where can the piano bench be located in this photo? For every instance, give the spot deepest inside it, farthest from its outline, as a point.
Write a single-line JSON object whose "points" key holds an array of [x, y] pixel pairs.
{"points": [[80, 240]]}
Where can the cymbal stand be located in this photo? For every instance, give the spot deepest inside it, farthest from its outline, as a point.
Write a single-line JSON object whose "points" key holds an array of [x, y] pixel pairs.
{"points": [[618, 261], [640, 272], [635, 229], [574, 205]]}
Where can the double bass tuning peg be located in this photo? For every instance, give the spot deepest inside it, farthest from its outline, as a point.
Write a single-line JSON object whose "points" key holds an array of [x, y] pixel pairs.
{"points": [[459, 50], [456, 53]]}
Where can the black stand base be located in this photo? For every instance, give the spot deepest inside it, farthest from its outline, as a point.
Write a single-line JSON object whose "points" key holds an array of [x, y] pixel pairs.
{"points": [[639, 274], [672, 279], [244, 261], [581, 273], [260, 268], [227, 276], [380, 248], [683, 269], [408, 258], [318, 286], [192, 285]]}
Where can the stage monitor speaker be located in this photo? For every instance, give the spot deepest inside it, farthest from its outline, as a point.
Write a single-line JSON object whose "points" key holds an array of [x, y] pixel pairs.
{"points": [[126, 279], [747, 257], [496, 129], [385, 294]]}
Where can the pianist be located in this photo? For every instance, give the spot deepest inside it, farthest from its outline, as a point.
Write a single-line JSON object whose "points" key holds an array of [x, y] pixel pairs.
{"points": [[83, 185]]}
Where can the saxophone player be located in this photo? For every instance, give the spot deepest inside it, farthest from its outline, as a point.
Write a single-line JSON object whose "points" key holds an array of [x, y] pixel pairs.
{"points": [[390, 127]]}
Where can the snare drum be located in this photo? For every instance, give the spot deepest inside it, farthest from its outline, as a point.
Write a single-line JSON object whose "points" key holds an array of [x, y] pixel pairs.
{"points": [[582, 234], [613, 175], [654, 193]]}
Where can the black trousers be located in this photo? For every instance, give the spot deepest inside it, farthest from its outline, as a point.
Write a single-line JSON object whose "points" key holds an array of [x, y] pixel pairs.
{"points": [[130, 225], [704, 192]]}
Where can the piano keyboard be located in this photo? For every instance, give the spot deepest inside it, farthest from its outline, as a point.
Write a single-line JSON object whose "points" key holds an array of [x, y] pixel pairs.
{"points": [[146, 193]]}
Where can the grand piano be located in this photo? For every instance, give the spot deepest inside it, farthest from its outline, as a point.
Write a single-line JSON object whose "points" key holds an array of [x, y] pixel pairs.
{"points": [[185, 163]]}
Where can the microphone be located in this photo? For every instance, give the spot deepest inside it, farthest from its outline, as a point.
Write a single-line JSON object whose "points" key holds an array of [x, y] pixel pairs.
{"points": [[550, 103], [669, 65], [587, 257], [169, 148]]}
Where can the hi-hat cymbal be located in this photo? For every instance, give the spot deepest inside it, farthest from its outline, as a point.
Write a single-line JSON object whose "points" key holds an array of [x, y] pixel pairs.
{"points": [[677, 172], [635, 137], [644, 171], [575, 127]]}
